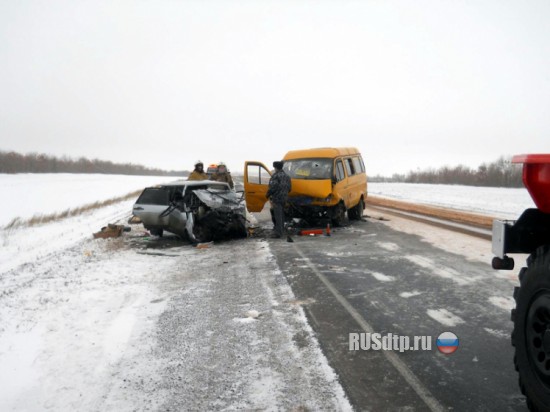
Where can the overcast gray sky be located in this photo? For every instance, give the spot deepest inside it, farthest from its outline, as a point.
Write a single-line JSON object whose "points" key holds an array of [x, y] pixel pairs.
{"points": [[412, 84]]}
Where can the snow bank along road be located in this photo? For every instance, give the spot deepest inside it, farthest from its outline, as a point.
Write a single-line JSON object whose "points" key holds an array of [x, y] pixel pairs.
{"points": [[153, 324]]}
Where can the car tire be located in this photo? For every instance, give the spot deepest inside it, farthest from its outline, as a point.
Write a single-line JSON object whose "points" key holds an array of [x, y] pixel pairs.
{"points": [[157, 232]]}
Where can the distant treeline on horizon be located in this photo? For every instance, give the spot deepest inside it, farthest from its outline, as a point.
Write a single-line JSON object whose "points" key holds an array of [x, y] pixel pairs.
{"points": [[500, 173], [12, 162]]}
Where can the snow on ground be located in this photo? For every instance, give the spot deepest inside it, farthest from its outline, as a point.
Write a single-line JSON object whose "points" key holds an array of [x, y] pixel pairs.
{"points": [[444, 317], [138, 323], [506, 203], [27, 194]]}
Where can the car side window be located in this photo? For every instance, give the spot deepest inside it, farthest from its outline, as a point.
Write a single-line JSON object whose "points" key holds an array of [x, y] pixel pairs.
{"points": [[349, 167], [357, 165], [340, 175]]}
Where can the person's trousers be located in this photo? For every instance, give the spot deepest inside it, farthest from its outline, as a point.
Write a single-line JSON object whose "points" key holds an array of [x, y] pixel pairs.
{"points": [[279, 216]]}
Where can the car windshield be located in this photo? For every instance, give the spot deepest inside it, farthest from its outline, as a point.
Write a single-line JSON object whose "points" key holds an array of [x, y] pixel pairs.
{"points": [[309, 169]]}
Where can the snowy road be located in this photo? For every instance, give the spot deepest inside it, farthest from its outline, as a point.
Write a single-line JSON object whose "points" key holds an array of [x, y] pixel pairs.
{"points": [[409, 279]]}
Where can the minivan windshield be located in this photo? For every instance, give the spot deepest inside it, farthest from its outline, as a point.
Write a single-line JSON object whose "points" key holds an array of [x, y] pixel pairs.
{"points": [[309, 169]]}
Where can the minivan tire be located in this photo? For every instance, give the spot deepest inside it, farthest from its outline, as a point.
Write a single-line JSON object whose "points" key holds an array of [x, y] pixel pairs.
{"points": [[356, 212], [338, 215]]}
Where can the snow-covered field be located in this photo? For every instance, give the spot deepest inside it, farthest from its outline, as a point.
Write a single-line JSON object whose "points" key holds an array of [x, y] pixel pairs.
{"points": [[28, 194], [498, 202]]}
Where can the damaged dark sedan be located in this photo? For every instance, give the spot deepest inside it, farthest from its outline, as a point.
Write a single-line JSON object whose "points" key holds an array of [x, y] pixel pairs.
{"points": [[200, 211]]}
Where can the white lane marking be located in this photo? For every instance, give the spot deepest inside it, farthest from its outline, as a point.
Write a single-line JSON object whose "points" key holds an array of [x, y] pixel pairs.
{"points": [[444, 317], [415, 383]]}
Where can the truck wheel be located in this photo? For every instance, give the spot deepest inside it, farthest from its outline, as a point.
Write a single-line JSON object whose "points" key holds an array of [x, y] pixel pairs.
{"points": [[338, 214], [531, 335], [356, 212]]}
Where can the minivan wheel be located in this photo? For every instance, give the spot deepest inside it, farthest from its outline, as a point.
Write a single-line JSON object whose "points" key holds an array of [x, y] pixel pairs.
{"points": [[356, 212], [338, 214]]}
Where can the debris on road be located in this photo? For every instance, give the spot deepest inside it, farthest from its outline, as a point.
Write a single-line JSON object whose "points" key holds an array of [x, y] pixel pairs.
{"points": [[315, 232], [134, 220], [204, 245], [111, 231]]}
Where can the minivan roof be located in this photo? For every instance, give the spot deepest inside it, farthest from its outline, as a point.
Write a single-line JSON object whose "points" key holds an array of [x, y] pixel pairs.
{"points": [[321, 152]]}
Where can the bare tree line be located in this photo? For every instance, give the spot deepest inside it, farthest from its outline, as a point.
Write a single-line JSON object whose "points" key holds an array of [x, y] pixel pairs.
{"points": [[12, 162], [500, 173]]}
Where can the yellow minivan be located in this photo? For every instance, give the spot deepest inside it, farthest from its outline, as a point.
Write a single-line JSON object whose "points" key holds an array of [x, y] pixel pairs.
{"points": [[326, 182]]}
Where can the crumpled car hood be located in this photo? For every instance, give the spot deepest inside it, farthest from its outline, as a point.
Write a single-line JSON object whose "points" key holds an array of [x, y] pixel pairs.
{"points": [[222, 201]]}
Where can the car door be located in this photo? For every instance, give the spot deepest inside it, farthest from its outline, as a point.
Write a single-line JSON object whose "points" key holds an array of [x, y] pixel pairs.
{"points": [[256, 183], [151, 203]]}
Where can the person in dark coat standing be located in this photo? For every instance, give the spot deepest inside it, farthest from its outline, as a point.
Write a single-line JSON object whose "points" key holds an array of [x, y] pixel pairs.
{"points": [[277, 193]]}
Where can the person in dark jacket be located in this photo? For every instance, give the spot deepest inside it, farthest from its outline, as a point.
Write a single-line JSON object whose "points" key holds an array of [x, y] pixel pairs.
{"points": [[277, 193]]}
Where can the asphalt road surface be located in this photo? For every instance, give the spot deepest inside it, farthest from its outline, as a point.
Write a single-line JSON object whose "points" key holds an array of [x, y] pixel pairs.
{"points": [[370, 277]]}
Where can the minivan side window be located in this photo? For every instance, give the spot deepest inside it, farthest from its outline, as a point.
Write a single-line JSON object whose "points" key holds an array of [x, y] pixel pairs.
{"points": [[357, 165], [340, 175], [257, 175], [349, 167]]}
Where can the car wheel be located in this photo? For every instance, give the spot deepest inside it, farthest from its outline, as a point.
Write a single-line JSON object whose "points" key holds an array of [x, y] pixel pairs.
{"points": [[157, 232]]}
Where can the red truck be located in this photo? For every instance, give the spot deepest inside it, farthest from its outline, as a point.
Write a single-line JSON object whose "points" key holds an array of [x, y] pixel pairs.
{"points": [[530, 234]]}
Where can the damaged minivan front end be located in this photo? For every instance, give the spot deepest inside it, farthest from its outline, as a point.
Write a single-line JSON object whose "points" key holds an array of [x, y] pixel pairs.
{"points": [[200, 211]]}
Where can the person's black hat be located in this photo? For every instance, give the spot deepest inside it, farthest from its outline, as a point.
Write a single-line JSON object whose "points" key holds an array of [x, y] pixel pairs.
{"points": [[278, 164]]}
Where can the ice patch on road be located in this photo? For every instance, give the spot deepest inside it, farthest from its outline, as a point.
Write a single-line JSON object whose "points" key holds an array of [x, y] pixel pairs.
{"points": [[407, 295], [441, 271], [381, 277], [392, 247], [334, 254], [444, 317], [244, 320], [497, 333], [506, 303]]}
